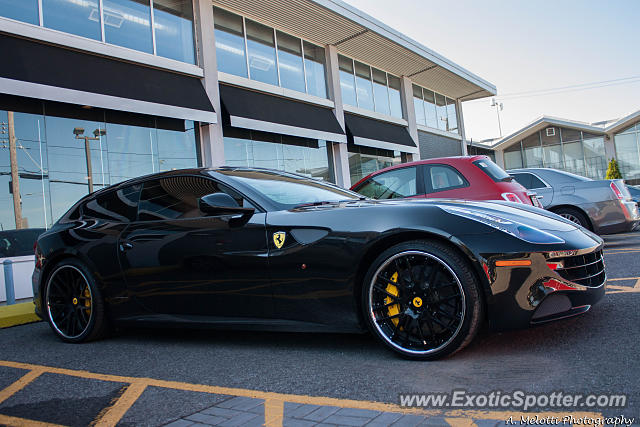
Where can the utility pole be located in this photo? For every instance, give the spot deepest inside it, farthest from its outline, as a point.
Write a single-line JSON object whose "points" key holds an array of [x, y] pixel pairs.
{"points": [[78, 132], [499, 107], [15, 179]]}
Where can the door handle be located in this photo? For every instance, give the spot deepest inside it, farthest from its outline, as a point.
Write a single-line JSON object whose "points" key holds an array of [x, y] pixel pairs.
{"points": [[124, 246]]}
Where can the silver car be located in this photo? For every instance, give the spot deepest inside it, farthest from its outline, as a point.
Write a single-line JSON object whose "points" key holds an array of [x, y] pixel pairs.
{"points": [[603, 206]]}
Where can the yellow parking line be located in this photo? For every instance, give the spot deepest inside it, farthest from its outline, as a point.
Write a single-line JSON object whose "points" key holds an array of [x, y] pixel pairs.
{"points": [[623, 278], [114, 414], [6, 420], [20, 384], [460, 422], [274, 402], [273, 412]]}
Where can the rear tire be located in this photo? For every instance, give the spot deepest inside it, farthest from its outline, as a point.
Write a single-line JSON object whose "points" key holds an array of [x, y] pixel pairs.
{"points": [[73, 305], [574, 216], [422, 300]]}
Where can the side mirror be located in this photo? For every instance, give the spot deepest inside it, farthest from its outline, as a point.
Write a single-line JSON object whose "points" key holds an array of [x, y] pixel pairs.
{"points": [[224, 204]]}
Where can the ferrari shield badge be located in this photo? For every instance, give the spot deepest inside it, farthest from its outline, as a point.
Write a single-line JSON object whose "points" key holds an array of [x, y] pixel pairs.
{"points": [[278, 238]]}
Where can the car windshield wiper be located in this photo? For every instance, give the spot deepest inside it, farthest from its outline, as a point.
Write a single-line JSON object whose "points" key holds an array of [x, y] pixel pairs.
{"points": [[329, 202], [507, 179]]}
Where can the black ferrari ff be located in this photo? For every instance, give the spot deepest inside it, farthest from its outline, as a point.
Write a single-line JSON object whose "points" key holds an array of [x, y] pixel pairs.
{"points": [[261, 249]]}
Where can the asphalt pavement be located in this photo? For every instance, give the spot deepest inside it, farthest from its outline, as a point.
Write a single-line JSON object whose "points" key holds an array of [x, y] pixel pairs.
{"points": [[155, 377]]}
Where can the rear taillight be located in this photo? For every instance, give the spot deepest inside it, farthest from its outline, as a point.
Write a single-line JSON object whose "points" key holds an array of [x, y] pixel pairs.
{"points": [[616, 191], [511, 197]]}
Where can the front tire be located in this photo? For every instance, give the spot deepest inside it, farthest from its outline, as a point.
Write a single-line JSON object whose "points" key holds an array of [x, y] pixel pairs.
{"points": [[73, 304], [422, 300]]}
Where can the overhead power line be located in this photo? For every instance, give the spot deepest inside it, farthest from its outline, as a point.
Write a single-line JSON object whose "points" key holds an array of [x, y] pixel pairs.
{"points": [[565, 89]]}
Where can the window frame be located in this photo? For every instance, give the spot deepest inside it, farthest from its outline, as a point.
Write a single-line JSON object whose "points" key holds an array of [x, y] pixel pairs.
{"points": [[222, 185], [83, 215], [420, 184], [428, 186]]}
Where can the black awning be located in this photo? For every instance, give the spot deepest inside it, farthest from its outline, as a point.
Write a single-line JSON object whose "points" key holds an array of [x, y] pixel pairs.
{"points": [[378, 134], [43, 71], [247, 109]]}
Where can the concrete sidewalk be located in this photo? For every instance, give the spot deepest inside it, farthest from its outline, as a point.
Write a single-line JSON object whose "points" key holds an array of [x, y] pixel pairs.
{"points": [[17, 314]]}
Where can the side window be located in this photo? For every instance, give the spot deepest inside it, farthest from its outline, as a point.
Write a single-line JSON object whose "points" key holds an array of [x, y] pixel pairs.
{"points": [[442, 178], [177, 197], [528, 180], [523, 179], [536, 182], [394, 184], [119, 205]]}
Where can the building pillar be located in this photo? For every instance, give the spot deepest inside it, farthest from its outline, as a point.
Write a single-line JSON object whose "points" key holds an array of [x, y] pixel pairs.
{"points": [[338, 150], [499, 158], [409, 114], [211, 141], [463, 134], [609, 147]]}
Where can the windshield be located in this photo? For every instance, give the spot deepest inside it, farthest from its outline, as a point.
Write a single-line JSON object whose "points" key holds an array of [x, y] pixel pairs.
{"points": [[494, 171], [287, 191]]}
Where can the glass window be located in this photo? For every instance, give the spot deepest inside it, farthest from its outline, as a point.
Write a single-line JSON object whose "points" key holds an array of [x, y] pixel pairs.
{"points": [[174, 197], [552, 156], [22, 10], [53, 167], [177, 149], [347, 81], [395, 103], [570, 135], [173, 24], [441, 111], [523, 179], [303, 156], [573, 157], [364, 88], [230, 52], [128, 23], [532, 151], [120, 205], [81, 18], [380, 93], [289, 191], [262, 53], [18, 242], [452, 118], [513, 159], [443, 178], [314, 69], [290, 62], [394, 184], [418, 105], [430, 108], [494, 171], [627, 155], [365, 160], [595, 158]]}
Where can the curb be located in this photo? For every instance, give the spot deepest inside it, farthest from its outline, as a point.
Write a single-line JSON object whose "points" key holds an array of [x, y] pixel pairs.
{"points": [[17, 314]]}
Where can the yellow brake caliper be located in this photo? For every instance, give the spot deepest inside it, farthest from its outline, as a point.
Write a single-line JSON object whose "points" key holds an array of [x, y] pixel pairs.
{"points": [[393, 290], [87, 302]]}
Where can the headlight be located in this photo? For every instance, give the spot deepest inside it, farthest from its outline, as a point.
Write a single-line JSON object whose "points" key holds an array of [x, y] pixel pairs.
{"points": [[516, 229]]}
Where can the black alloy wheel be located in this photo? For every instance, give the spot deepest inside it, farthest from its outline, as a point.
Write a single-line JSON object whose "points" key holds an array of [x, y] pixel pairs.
{"points": [[73, 305], [422, 300]]}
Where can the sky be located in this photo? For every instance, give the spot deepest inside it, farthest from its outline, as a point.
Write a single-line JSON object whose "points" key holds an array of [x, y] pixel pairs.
{"points": [[530, 46]]}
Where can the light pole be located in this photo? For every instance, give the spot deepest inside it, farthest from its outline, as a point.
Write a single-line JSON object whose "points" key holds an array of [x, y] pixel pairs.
{"points": [[78, 132], [499, 107]]}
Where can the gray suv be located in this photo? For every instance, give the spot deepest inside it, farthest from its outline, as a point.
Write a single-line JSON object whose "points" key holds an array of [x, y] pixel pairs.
{"points": [[603, 206]]}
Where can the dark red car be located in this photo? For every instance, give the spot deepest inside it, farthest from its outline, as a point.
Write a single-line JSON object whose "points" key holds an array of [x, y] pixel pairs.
{"points": [[464, 177]]}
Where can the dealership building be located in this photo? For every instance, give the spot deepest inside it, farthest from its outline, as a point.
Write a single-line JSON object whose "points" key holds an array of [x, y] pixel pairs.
{"points": [[573, 146], [93, 92]]}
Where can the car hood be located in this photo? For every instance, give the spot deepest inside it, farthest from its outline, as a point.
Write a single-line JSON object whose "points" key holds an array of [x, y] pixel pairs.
{"points": [[516, 212]]}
